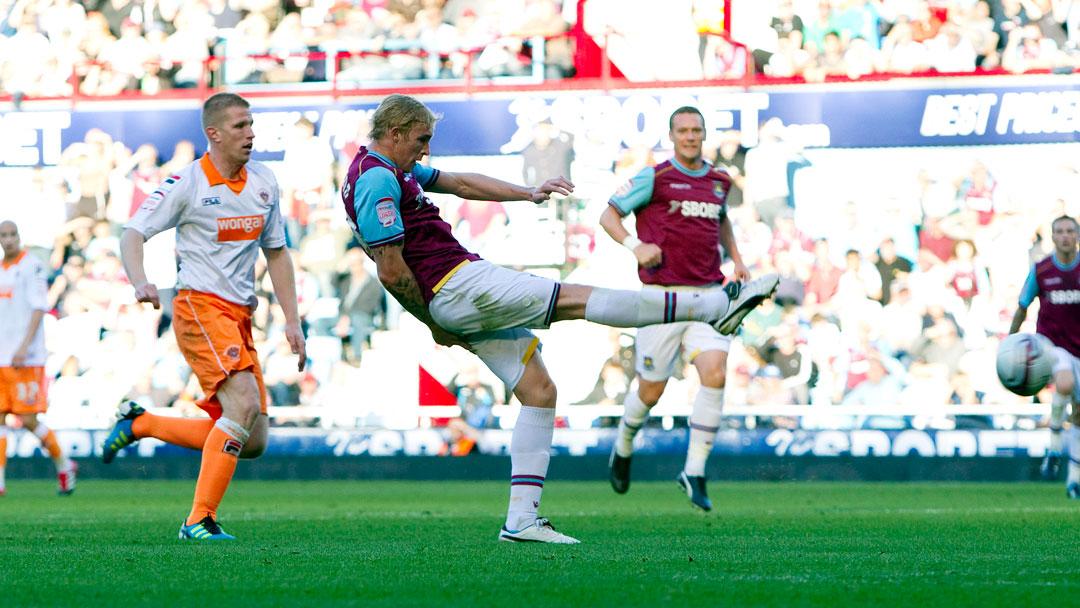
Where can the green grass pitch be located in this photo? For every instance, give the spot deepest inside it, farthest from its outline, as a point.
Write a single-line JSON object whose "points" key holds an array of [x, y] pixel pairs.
{"points": [[361, 543]]}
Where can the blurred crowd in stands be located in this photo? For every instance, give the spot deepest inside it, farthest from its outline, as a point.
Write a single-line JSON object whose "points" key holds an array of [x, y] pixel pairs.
{"points": [[819, 39], [107, 47], [54, 48]]}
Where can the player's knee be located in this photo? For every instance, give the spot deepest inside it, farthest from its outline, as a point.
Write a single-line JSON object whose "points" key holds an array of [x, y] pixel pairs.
{"points": [[1064, 383], [546, 393], [713, 378], [650, 393], [29, 421], [254, 447], [540, 392]]}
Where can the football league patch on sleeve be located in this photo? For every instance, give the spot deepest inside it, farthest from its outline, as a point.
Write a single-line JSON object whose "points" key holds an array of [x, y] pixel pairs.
{"points": [[386, 211]]}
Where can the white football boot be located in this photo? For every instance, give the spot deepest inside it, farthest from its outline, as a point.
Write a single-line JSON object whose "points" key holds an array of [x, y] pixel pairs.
{"points": [[540, 531], [744, 298]]}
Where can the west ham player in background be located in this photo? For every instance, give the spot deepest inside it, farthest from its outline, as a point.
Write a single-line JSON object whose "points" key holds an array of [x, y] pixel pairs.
{"points": [[225, 209], [1055, 280], [23, 288], [681, 219], [469, 302]]}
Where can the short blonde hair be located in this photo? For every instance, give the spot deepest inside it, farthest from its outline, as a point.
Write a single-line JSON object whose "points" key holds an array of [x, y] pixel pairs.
{"points": [[213, 111], [400, 112]]}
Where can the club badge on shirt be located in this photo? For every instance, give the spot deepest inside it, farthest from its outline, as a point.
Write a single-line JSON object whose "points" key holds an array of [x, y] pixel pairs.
{"points": [[386, 212]]}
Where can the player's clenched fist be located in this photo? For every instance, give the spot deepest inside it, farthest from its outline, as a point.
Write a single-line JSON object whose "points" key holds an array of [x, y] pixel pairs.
{"points": [[648, 255], [147, 292]]}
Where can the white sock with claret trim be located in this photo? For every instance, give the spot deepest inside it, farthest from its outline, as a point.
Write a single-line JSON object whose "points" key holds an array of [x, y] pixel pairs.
{"points": [[634, 414], [704, 423], [530, 452], [1057, 419], [623, 308]]}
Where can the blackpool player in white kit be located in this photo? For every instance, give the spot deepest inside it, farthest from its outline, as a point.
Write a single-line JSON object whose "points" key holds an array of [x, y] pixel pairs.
{"points": [[23, 303], [681, 211], [1055, 280]]}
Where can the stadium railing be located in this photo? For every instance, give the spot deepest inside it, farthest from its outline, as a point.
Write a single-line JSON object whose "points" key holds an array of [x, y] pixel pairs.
{"points": [[211, 77]]}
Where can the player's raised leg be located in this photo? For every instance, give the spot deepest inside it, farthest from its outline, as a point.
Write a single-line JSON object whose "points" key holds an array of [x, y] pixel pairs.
{"points": [[724, 309], [530, 452], [135, 423]]}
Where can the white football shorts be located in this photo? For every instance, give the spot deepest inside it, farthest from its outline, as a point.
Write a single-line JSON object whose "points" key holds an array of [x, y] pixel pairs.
{"points": [[660, 347], [493, 307], [1066, 361]]}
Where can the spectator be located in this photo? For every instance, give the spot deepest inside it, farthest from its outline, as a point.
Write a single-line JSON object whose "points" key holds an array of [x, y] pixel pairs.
{"points": [[883, 384], [724, 60], [322, 248], [902, 321], [730, 156], [900, 52], [890, 267], [793, 361], [363, 303], [815, 31], [789, 60], [476, 401], [831, 61], [940, 344], [308, 173], [925, 23], [551, 152], [979, 195], [1027, 49], [787, 24], [951, 51]]}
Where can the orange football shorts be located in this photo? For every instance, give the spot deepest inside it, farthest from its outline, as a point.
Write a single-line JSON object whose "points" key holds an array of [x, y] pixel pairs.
{"points": [[215, 337], [22, 391]]}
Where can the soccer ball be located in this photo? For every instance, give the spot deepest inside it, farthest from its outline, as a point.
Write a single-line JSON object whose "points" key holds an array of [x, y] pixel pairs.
{"points": [[1025, 363]]}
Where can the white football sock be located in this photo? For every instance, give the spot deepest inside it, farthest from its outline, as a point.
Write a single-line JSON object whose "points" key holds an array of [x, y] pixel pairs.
{"points": [[622, 308], [530, 451], [1074, 456], [634, 414], [704, 423], [1057, 418]]}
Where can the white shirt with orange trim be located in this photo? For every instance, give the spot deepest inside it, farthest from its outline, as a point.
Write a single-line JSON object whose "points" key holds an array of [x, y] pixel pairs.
{"points": [[23, 289], [218, 230]]}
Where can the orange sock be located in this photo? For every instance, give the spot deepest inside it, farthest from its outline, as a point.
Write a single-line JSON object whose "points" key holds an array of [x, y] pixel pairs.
{"points": [[220, 453], [3, 447], [189, 433], [48, 440]]}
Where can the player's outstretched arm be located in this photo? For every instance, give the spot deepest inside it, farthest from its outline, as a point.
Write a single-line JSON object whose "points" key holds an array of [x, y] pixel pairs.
{"points": [[279, 265], [477, 187], [400, 281], [131, 255]]}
